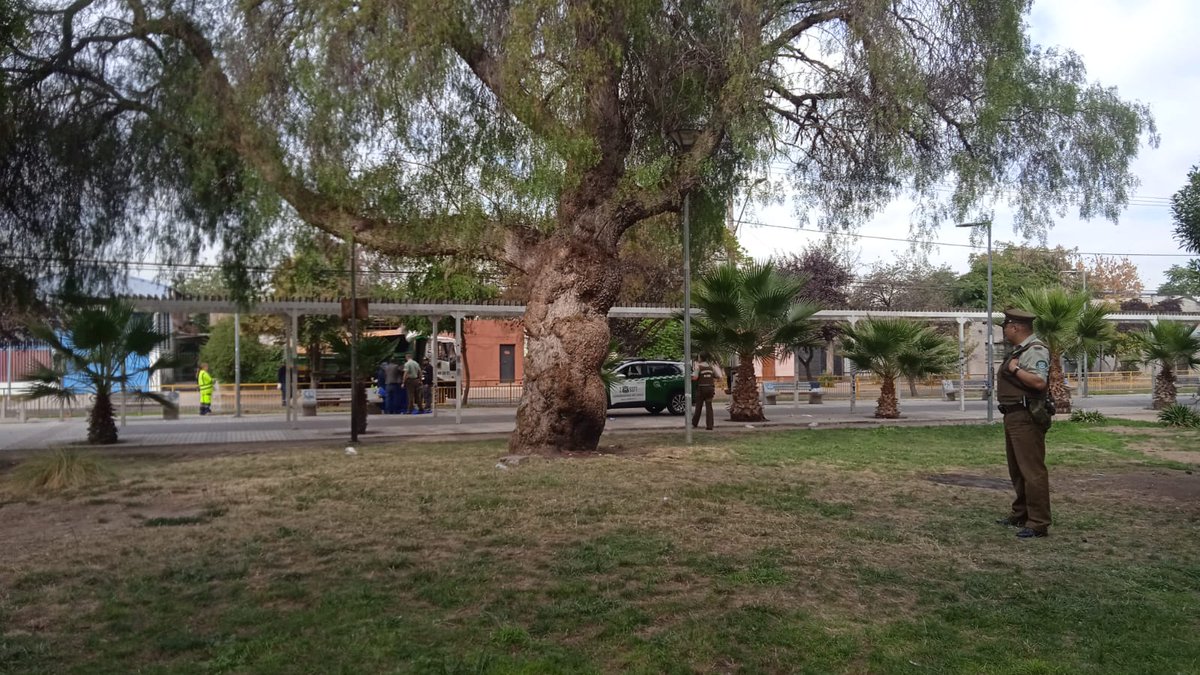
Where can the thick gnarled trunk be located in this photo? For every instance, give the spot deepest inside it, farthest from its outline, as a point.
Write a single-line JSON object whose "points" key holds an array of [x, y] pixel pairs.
{"points": [[573, 284], [746, 406], [102, 427], [888, 406]]}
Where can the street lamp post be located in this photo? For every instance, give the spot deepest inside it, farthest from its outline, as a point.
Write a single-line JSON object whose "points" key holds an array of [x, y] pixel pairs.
{"points": [[991, 389], [684, 139]]}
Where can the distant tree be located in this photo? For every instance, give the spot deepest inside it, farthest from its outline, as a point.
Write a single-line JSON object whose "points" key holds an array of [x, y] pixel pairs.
{"points": [[260, 363], [1182, 280], [1111, 276], [1068, 324], [749, 313], [1013, 269], [905, 285], [98, 347], [826, 276], [372, 351], [1185, 209], [1172, 345], [894, 348]]}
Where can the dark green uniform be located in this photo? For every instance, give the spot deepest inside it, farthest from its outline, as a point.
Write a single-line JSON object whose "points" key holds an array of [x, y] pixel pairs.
{"points": [[1024, 438], [706, 387]]}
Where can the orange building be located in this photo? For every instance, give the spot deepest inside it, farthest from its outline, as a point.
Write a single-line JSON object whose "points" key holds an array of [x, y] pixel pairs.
{"points": [[495, 350]]}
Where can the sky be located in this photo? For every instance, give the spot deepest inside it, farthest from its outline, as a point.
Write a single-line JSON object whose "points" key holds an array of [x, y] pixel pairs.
{"points": [[1142, 48]]}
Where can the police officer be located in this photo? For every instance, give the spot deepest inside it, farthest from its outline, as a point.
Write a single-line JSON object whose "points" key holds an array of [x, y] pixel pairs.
{"points": [[1022, 382], [705, 377]]}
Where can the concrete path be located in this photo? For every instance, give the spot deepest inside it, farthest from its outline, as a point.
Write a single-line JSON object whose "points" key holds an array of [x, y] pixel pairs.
{"points": [[144, 432]]}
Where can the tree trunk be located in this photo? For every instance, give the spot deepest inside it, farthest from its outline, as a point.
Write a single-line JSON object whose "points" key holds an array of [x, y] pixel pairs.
{"points": [[912, 386], [806, 362], [1164, 388], [359, 392], [574, 281], [1058, 386], [888, 406], [102, 428], [466, 368], [746, 406]]}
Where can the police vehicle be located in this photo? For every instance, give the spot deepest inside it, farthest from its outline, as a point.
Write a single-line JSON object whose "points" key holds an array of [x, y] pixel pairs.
{"points": [[653, 385]]}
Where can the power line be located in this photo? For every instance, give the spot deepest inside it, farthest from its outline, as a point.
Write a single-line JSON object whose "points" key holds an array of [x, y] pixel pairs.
{"points": [[754, 223]]}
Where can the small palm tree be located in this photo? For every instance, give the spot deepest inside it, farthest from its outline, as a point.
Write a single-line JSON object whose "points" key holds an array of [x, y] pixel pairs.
{"points": [[893, 348], [372, 351], [99, 347], [1067, 323], [1173, 346], [750, 313]]}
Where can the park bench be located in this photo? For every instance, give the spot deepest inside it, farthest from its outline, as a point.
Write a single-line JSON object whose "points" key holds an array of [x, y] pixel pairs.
{"points": [[950, 388], [311, 399], [772, 391]]}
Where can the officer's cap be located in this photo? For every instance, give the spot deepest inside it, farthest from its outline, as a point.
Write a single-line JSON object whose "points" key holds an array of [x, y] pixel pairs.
{"points": [[1019, 316]]}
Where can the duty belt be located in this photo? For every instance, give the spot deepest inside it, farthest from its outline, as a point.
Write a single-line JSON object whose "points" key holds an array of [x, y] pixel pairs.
{"points": [[1006, 408]]}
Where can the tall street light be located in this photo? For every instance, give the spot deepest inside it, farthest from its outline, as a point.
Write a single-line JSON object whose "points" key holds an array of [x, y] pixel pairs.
{"points": [[684, 139], [991, 389]]}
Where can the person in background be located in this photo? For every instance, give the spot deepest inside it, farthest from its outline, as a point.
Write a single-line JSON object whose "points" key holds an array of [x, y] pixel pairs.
{"points": [[705, 376], [427, 384], [204, 382], [412, 384], [283, 384], [392, 378]]}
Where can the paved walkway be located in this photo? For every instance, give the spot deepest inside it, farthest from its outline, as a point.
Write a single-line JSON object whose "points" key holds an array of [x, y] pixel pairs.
{"points": [[145, 432]]}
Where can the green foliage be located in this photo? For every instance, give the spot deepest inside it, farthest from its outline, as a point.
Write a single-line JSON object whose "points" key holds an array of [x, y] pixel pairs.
{"points": [[667, 340], [894, 348], [372, 351], [1179, 415], [1172, 345], [1066, 321], [751, 312], [99, 346], [1013, 268], [60, 470], [1182, 280], [1185, 209], [260, 363], [1088, 416]]}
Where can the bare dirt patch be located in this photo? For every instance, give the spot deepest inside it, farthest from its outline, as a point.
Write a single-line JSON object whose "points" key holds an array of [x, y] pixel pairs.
{"points": [[1162, 484]]}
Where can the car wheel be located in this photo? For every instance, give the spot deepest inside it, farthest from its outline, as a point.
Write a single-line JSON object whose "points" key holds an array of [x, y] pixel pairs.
{"points": [[654, 409], [678, 404]]}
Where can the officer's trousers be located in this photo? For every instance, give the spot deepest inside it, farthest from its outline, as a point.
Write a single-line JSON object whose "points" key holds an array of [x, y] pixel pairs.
{"points": [[704, 397], [1025, 448]]}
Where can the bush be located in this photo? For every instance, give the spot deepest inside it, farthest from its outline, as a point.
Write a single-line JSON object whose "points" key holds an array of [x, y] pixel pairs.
{"points": [[1179, 415], [60, 470], [1088, 416], [260, 363]]}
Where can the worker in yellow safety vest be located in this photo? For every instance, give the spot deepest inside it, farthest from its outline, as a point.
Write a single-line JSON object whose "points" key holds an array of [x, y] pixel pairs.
{"points": [[205, 382]]}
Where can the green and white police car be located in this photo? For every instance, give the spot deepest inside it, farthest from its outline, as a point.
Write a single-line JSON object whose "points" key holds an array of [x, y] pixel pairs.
{"points": [[653, 385]]}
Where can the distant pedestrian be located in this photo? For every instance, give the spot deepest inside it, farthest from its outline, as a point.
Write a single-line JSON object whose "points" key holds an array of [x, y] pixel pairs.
{"points": [[282, 375], [392, 379], [204, 382], [705, 378], [427, 384], [412, 384]]}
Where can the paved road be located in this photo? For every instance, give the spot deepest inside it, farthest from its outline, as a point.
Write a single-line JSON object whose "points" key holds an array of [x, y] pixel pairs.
{"points": [[330, 426]]}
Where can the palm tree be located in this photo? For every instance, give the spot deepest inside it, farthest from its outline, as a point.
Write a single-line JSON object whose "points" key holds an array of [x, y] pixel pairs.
{"points": [[750, 313], [1174, 346], [100, 346], [1068, 323], [893, 348]]}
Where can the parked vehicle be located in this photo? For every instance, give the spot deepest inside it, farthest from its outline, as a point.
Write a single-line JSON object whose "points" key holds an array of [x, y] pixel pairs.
{"points": [[653, 385]]}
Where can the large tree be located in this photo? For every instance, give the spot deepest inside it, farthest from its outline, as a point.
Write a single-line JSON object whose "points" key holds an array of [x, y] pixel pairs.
{"points": [[1013, 269], [1185, 209], [536, 134], [905, 284]]}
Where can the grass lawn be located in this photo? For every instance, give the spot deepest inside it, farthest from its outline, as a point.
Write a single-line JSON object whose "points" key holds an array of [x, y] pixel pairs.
{"points": [[806, 551]]}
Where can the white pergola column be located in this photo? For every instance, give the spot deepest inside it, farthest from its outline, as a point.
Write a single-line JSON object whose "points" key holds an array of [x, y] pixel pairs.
{"points": [[962, 366]]}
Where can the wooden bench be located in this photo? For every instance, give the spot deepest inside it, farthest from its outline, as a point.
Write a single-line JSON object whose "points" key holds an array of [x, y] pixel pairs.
{"points": [[950, 388], [772, 390]]}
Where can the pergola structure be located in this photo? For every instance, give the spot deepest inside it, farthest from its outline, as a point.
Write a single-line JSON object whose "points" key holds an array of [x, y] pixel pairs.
{"points": [[294, 308]]}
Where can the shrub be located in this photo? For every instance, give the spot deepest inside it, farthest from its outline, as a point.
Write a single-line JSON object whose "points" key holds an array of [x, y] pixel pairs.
{"points": [[1088, 416], [1179, 415], [60, 470], [260, 363]]}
